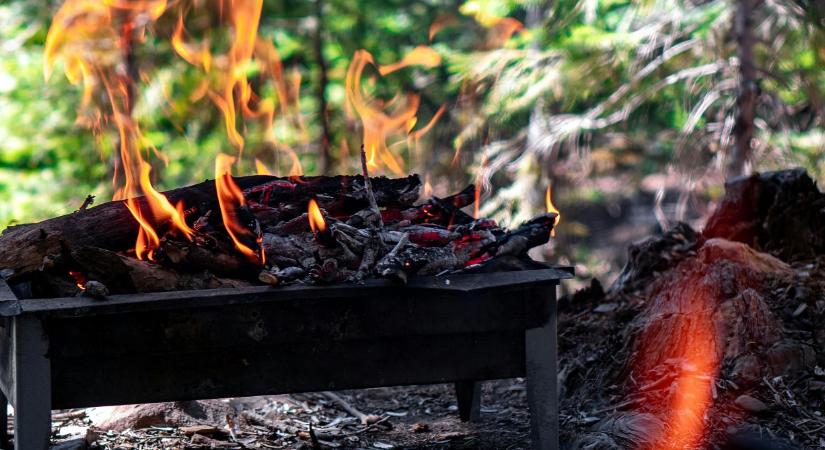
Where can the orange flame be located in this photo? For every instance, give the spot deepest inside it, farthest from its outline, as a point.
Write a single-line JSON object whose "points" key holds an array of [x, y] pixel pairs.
{"points": [[551, 208], [93, 38], [231, 199], [479, 181], [441, 22], [260, 168], [232, 89], [427, 191], [316, 219], [379, 124], [79, 279], [199, 57], [419, 56]]}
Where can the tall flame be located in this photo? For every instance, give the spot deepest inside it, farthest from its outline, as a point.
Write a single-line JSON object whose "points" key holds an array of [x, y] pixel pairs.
{"points": [[231, 200], [479, 182], [231, 89], [261, 169], [94, 40], [420, 56], [316, 219], [378, 123], [551, 208]]}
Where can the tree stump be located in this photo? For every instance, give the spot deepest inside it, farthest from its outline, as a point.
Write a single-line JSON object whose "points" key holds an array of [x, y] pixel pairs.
{"points": [[714, 336]]}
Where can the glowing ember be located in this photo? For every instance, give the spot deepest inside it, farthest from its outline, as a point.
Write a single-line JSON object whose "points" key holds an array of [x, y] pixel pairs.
{"points": [[551, 208], [316, 219], [231, 200], [79, 279]]}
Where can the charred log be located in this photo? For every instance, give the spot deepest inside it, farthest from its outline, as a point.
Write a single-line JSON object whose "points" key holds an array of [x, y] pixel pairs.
{"points": [[111, 226]]}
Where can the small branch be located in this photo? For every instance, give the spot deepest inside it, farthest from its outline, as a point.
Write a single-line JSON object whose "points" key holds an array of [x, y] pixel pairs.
{"points": [[90, 199], [368, 187], [364, 418]]}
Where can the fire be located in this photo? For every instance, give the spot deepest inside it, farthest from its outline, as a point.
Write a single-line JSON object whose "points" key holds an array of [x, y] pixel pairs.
{"points": [[551, 208], [441, 22], [94, 40], [379, 124], [79, 279], [231, 89], [197, 57], [479, 182], [260, 168], [419, 56], [316, 219], [231, 200], [427, 191]]}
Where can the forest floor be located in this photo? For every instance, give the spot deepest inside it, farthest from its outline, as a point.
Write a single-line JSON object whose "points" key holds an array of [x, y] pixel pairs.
{"points": [[411, 417]]}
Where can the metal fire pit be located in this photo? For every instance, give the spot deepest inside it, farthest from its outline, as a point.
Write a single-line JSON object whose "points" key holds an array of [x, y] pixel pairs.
{"points": [[80, 352]]}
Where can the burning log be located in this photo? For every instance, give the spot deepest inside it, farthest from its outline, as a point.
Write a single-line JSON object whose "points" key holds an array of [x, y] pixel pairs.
{"points": [[123, 274], [314, 230], [26, 248]]}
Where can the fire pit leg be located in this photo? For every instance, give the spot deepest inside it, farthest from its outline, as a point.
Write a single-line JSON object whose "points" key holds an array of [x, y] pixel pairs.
{"points": [[4, 422], [542, 391], [469, 400], [32, 385]]}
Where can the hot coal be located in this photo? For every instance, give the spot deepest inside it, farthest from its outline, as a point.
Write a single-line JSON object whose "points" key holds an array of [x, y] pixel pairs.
{"points": [[353, 243]]}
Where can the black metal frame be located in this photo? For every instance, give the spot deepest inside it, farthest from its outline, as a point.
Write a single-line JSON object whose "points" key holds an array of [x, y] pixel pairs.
{"points": [[187, 345]]}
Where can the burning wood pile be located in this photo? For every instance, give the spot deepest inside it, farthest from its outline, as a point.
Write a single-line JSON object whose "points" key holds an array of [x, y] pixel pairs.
{"points": [[316, 230], [257, 229]]}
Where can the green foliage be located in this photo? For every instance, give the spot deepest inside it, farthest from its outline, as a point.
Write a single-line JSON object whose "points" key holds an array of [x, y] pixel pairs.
{"points": [[661, 72]]}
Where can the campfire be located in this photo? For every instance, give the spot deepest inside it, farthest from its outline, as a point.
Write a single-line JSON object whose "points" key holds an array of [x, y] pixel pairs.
{"points": [[290, 271], [245, 230]]}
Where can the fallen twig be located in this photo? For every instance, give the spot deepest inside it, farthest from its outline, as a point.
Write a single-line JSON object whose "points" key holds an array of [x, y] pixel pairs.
{"points": [[366, 419]]}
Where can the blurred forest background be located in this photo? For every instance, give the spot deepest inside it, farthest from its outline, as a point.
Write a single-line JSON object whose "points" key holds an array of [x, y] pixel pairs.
{"points": [[634, 110]]}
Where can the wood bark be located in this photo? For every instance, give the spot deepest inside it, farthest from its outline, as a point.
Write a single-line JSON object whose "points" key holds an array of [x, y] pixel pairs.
{"points": [[325, 161], [32, 247], [747, 92]]}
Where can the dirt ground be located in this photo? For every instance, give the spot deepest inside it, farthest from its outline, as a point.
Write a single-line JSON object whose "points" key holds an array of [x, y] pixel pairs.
{"points": [[411, 417]]}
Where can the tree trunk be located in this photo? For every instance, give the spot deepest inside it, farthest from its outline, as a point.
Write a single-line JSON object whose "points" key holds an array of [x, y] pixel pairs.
{"points": [[748, 90], [325, 160]]}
